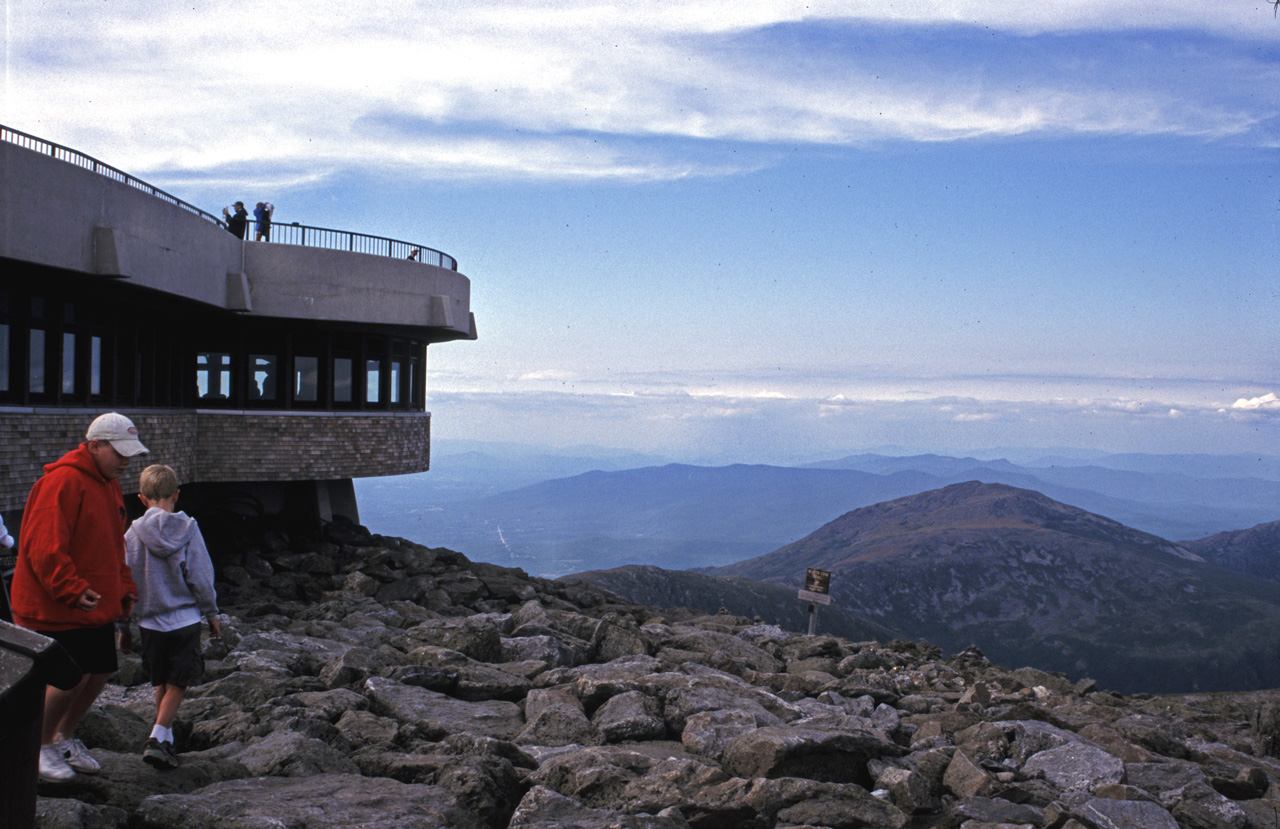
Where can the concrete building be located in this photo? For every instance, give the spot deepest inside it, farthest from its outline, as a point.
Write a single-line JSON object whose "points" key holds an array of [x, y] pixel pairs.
{"points": [[267, 374]]}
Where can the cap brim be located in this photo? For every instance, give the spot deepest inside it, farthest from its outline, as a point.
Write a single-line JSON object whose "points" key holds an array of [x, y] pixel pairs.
{"points": [[129, 448]]}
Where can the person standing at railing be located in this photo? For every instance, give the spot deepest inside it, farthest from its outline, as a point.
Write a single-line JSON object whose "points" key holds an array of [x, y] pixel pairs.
{"points": [[263, 214], [238, 223]]}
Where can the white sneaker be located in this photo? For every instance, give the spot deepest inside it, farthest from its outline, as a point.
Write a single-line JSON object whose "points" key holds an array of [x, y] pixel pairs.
{"points": [[53, 766], [77, 756]]}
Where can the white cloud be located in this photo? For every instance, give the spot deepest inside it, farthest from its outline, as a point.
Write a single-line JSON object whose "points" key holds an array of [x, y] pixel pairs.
{"points": [[570, 91], [1267, 402]]}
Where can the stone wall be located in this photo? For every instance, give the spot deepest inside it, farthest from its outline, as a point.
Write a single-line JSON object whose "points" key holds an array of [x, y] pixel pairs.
{"points": [[213, 447]]}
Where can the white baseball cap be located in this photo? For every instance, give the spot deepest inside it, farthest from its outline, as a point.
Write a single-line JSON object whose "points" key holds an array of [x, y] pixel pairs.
{"points": [[117, 430]]}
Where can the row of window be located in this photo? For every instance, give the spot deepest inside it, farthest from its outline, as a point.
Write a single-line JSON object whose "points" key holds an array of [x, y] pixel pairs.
{"points": [[111, 351], [311, 380]]}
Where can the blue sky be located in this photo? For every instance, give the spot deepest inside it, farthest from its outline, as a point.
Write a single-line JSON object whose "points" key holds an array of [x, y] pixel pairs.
{"points": [[749, 231]]}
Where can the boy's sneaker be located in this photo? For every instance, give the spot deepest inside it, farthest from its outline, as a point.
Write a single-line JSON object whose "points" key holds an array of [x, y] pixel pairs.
{"points": [[53, 766], [161, 755], [77, 756]]}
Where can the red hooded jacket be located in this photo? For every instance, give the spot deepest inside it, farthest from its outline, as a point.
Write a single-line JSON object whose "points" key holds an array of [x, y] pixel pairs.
{"points": [[72, 538]]}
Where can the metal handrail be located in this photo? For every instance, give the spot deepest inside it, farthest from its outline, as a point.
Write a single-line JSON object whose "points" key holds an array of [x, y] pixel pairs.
{"points": [[291, 234]]}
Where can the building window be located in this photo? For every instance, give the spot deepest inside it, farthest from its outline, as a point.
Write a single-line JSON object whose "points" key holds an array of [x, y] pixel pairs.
{"points": [[37, 361], [95, 366], [213, 375], [263, 376], [306, 379], [396, 374], [372, 379], [4, 357], [343, 375], [68, 363]]}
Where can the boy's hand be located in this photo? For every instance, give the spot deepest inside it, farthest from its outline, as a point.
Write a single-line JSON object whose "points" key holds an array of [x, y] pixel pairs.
{"points": [[124, 641], [127, 604], [215, 629]]}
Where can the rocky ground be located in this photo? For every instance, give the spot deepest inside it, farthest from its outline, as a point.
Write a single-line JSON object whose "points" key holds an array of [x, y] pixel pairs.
{"points": [[365, 681]]}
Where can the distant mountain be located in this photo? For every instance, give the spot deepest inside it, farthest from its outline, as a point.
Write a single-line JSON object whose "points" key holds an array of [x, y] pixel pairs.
{"points": [[679, 516], [1255, 551], [772, 603], [1034, 581], [1180, 496]]}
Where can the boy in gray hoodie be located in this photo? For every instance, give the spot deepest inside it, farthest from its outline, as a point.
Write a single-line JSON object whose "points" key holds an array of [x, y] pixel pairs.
{"points": [[166, 553]]}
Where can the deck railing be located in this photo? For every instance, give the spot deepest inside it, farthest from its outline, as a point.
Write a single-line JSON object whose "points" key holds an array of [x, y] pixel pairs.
{"points": [[289, 234]]}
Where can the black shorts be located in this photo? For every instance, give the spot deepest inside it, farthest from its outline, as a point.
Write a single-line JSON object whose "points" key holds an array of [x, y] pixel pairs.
{"points": [[93, 649], [173, 657]]}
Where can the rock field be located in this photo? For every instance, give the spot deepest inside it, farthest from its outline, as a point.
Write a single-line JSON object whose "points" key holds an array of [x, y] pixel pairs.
{"points": [[365, 681]]}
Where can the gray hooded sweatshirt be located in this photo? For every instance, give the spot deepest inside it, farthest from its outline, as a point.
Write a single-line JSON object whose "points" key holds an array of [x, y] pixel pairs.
{"points": [[171, 566]]}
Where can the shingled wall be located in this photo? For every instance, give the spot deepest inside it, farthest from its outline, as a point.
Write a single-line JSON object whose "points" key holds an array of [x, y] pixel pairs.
{"points": [[210, 447]]}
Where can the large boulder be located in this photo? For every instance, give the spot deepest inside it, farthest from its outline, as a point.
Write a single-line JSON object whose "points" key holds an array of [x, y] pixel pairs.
{"points": [[804, 751], [437, 715], [326, 801]]}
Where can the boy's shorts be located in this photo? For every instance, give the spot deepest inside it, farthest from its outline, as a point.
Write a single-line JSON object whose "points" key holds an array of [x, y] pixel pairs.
{"points": [[173, 657], [93, 649]]}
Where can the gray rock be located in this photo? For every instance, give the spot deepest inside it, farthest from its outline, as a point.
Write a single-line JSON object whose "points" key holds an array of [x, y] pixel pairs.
{"points": [[290, 754], [327, 801], [559, 724], [908, 789], [686, 696], [1127, 814], [630, 716], [485, 785], [125, 781], [814, 753], [115, 728], [479, 636], [362, 728], [614, 640], [330, 705], [543, 808], [544, 648], [475, 680], [966, 778], [709, 732], [1076, 766], [1157, 778], [841, 807], [729, 652], [64, 813], [995, 810], [594, 776], [352, 667], [1198, 806], [438, 715]]}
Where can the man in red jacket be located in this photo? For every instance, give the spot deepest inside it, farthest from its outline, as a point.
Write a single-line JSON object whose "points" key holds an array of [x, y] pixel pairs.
{"points": [[71, 582]]}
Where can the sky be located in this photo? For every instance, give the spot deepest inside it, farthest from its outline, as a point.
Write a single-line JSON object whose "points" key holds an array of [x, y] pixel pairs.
{"points": [[748, 231]]}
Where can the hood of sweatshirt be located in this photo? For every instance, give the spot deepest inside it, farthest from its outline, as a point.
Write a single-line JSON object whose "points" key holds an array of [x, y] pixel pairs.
{"points": [[78, 459], [164, 533]]}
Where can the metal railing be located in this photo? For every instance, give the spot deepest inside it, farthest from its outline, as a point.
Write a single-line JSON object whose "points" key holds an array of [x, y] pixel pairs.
{"points": [[289, 234]]}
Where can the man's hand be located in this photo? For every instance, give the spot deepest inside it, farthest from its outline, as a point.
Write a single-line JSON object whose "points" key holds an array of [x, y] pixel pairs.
{"points": [[215, 629], [124, 641], [126, 604], [88, 599]]}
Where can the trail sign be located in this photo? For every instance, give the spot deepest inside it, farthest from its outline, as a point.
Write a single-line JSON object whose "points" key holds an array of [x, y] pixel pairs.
{"points": [[817, 586]]}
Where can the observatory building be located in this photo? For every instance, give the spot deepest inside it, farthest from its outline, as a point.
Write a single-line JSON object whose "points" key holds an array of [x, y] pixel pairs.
{"points": [[268, 373]]}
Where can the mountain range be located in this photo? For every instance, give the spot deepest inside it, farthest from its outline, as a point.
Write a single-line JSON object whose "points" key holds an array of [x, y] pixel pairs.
{"points": [[681, 515], [1032, 581]]}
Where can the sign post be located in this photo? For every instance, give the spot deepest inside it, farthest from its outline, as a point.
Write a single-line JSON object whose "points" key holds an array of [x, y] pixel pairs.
{"points": [[817, 590]]}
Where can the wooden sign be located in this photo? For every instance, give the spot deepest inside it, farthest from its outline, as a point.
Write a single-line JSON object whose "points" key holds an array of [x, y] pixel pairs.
{"points": [[817, 586]]}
